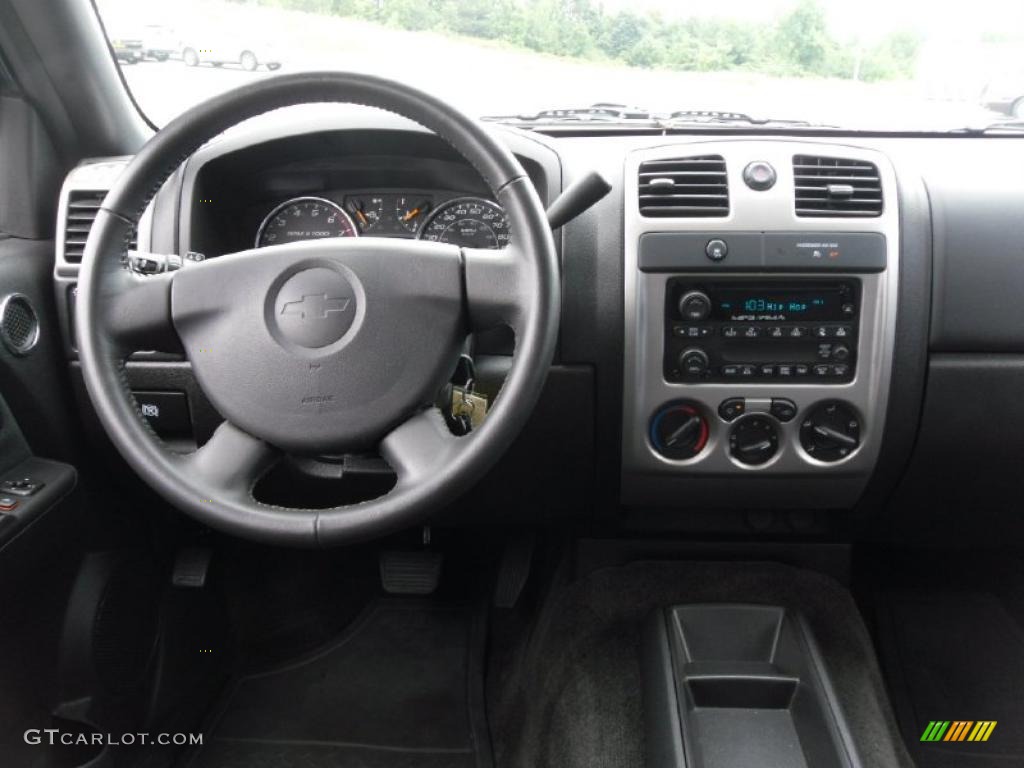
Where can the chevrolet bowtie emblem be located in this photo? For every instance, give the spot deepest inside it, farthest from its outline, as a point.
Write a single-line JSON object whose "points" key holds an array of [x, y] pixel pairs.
{"points": [[316, 306]]}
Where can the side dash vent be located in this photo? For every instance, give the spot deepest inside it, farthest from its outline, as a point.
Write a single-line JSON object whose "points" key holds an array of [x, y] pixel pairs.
{"points": [[831, 186], [685, 187], [83, 206]]}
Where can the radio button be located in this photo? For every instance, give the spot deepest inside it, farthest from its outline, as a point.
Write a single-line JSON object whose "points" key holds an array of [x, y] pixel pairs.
{"points": [[751, 332], [730, 371], [825, 351], [849, 309], [775, 331], [691, 331], [843, 332], [822, 370], [747, 371], [840, 370], [797, 332], [801, 369], [730, 331], [822, 331], [783, 409], [785, 370], [767, 371], [732, 408], [716, 249]]}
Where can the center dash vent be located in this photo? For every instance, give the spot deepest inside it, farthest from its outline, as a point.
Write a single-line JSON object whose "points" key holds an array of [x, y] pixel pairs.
{"points": [[82, 208], [684, 187], [831, 186]]}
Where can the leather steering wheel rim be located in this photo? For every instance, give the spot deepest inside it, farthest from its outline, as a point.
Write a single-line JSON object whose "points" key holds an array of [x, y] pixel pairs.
{"points": [[118, 310]]}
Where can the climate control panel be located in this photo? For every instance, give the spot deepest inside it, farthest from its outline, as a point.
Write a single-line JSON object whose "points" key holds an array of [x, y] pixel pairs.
{"points": [[727, 330], [755, 430]]}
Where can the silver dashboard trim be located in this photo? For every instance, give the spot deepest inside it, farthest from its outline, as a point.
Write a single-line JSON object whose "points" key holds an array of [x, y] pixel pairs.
{"points": [[773, 210]]}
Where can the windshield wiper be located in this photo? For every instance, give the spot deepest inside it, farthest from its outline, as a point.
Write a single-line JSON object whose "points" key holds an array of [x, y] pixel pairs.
{"points": [[619, 114], [999, 126]]}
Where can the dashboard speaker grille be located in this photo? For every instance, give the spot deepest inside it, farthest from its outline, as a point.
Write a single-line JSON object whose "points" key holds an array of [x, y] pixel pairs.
{"points": [[685, 187], [19, 324], [836, 187], [82, 208]]}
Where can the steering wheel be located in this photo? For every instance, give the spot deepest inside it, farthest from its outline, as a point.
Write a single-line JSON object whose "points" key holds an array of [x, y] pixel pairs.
{"points": [[323, 346]]}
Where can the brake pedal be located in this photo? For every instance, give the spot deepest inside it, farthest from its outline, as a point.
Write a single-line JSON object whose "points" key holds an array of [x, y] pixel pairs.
{"points": [[410, 573]]}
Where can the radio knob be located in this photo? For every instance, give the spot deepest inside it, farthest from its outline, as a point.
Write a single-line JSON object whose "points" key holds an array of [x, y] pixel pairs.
{"points": [[693, 362], [840, 352], [694, 306]]}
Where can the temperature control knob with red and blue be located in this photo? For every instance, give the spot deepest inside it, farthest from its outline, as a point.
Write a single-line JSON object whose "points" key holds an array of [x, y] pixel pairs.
{"points": [[679, 431]]}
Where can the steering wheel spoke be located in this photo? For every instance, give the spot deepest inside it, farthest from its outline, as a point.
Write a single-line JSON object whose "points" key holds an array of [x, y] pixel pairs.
{"points": [[138, 314], [231, 460], [419, 447], [497, 292]]}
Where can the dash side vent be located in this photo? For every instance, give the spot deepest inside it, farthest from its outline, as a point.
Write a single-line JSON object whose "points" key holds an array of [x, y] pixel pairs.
{"points": [[83, 206], [685, 187], [837, 187]]}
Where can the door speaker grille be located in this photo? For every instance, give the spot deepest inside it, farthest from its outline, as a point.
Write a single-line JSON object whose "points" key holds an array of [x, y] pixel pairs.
{"points": [[19, 324]]}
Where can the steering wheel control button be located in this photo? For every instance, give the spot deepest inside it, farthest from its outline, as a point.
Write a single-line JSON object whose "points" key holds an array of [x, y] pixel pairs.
{"points": [[24, 486], [693, 362], [783, 409], [732, 408], [754, 440], [831, 431], [8, 503], [678, 431], [166, 412], [759, 175], [716, 249], [315, 307], [694, 306]]}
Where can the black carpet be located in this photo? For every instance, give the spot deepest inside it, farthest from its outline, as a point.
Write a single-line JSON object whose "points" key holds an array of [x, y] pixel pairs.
{"points": [[954, 650], [567, 695], [401, 689]]}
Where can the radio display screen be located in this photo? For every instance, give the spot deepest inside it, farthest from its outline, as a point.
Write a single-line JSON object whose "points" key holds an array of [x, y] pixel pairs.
{"points": [[783, 306]]}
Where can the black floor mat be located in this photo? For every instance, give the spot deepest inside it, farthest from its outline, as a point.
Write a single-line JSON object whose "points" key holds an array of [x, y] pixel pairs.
{"points": [[954, 654], [401, 689]]}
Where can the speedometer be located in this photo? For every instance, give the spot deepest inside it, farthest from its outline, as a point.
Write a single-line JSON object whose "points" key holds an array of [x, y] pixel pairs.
{"points": [[471, 222], [304, 218]]}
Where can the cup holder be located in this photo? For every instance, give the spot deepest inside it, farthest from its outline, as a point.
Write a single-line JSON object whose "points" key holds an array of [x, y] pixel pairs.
{"points": [[738, 686]]}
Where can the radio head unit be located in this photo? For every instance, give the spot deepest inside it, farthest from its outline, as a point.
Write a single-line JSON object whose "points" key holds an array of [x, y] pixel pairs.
{"points": [[723, 330]]}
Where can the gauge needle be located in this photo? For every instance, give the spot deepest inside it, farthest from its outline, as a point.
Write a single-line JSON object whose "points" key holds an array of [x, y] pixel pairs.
{"points": [[361, 216], [409, 215]]}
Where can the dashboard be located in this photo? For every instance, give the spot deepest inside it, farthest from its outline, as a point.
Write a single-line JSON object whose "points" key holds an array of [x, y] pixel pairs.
{"points": [[735, 345]]}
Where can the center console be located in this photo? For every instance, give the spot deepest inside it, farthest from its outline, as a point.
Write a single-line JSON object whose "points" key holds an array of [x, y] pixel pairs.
{"points": [[760, 304]]}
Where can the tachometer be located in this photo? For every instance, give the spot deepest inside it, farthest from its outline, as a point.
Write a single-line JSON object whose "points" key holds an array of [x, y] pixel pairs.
{"points": [[304, 218], [471, 222]]}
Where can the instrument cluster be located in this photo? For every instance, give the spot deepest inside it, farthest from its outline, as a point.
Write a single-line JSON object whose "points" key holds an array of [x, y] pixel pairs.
{"points": [[469, 222]]}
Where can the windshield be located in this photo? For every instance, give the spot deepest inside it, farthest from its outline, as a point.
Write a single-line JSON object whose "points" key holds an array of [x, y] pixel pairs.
{"points": [[891, 65]]}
